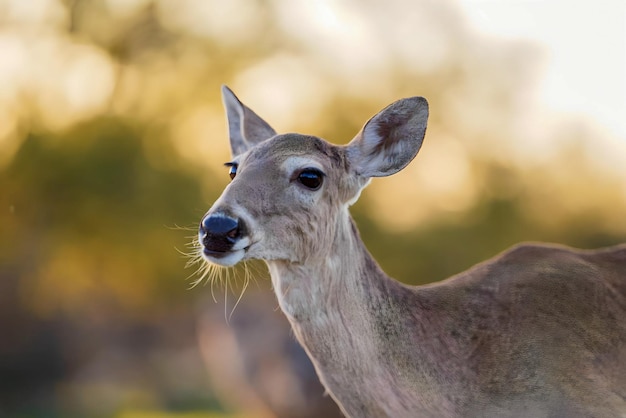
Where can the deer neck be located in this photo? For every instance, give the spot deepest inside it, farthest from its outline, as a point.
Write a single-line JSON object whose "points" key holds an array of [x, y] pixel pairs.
{"points": [[337, 301], [350, 317], [342, 278]]}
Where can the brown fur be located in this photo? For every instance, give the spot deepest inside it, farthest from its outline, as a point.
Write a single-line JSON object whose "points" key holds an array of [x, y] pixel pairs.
{"points": [[539, 330]]}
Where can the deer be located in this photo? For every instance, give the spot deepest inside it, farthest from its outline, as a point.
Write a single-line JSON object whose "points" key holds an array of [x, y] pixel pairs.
{"points": [[536, 331]]}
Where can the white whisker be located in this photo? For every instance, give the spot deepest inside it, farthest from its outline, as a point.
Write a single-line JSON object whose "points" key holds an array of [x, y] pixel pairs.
{"points": [[224, 278]]}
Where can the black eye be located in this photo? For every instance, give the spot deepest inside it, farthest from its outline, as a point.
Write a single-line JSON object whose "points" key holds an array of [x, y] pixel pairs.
{"points": [[233, 170], [311, 178]]}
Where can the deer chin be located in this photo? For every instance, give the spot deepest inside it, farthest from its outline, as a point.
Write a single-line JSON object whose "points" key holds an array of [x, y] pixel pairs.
{"points": [[225, 258]]}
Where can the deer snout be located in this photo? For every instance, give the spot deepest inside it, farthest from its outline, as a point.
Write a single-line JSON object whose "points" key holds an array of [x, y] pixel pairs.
{"points": [[219, 233]]}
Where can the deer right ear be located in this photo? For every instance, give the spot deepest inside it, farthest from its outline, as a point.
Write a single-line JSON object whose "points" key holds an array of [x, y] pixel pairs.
{"points": [[245, 128], [390, 140]]}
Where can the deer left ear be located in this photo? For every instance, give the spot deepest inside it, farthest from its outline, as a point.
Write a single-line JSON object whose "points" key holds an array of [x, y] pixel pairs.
{"points": [[390, 140]]}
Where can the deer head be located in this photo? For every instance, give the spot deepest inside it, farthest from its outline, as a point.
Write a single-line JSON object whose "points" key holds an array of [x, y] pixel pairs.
{"points": [[289, 191]]}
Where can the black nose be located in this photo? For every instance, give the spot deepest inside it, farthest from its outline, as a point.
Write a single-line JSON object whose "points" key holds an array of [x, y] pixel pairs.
{"points": [[218, 233], [220, 225]]}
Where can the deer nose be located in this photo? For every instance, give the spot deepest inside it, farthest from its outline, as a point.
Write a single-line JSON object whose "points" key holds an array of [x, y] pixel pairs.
{"points": [[218, 232], [220, 225]]}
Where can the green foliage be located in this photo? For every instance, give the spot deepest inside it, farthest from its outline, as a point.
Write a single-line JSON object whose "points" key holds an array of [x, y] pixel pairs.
{"points": [[89, 205], [89, 254]]}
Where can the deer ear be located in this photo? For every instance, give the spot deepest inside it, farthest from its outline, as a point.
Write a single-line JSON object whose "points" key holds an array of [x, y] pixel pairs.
{"points": [[390, 140], [245, 128]]}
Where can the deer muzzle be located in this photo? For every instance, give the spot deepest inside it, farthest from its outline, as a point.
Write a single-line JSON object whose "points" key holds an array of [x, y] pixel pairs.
{"points": [[219, 233]]}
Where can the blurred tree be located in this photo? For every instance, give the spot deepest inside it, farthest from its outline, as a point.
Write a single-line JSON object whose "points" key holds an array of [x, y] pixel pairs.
{"points": [[88, 256], [93, 196]]}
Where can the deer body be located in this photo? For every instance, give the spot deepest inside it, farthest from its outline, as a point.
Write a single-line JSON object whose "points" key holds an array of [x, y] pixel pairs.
{"points": [[537, 331], [462, 347]]}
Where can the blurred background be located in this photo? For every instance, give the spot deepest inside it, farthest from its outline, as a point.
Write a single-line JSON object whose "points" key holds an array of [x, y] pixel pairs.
{"points": [[112, 140]]}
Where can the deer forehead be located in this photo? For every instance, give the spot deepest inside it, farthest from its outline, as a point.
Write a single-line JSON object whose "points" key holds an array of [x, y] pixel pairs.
{"points": [[293, 151], [268, 173]]}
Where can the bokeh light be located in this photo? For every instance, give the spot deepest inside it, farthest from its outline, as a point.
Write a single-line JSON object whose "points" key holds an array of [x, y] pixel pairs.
{"points": [[113, 136]]}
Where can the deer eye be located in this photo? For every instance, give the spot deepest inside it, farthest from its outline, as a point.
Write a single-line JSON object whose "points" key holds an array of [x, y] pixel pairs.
{"points": [[311, 178], [233, 170]]}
